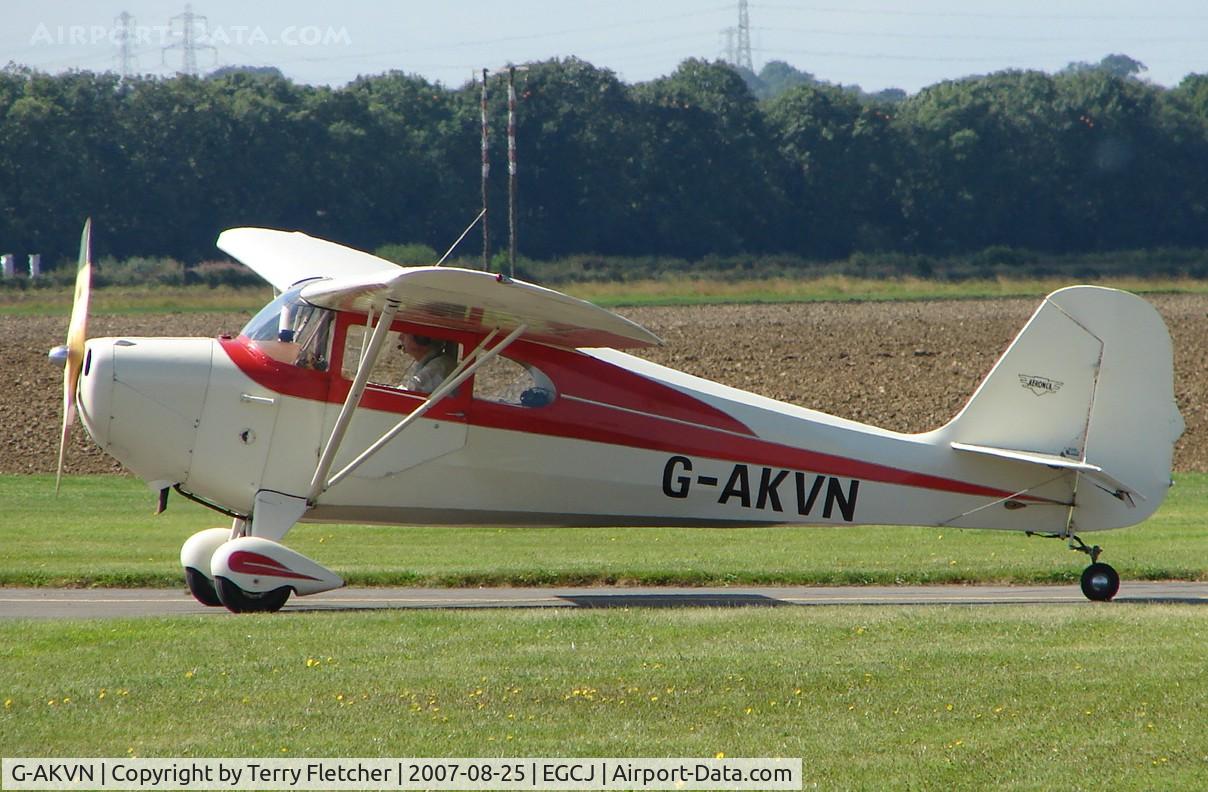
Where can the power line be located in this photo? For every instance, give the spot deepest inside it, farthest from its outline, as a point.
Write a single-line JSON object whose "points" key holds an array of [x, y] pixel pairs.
{"points": [[587, 51], [884, 56], [865, 34], [645, 21], [984, 15]]}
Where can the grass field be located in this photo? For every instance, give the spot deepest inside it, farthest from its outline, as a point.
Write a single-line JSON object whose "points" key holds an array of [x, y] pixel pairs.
{"points": [[130, 300], [101, 531], [1028, 698], [1084, 697], [665, 291]]}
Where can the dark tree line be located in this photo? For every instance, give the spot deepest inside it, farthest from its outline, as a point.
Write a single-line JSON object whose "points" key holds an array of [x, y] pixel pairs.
{"points": [[687, 165]]}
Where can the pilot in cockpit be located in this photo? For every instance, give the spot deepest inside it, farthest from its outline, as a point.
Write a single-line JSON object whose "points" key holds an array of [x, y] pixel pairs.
{"points": [[434, 360]]}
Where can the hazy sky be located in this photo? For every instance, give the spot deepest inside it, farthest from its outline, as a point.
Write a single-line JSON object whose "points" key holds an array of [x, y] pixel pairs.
{"points": [[873, 43]]}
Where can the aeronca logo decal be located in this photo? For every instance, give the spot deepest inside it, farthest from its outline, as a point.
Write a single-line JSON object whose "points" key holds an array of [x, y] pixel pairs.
{"points": [[1039, 385], [765, 488]]}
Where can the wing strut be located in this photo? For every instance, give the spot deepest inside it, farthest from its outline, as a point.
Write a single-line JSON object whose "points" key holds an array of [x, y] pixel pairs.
{"points": [[464, 370], [353, 401]]}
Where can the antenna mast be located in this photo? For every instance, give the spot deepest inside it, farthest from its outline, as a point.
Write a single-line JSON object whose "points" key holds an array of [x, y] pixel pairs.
{"points": [[193, 27], [486, 172], [511, 171], [727, 48], [125, 57], [743, 47]]}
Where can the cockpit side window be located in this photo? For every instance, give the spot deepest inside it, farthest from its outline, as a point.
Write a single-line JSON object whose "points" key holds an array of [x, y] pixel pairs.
{"points": [[390, 367], [407, 361]]}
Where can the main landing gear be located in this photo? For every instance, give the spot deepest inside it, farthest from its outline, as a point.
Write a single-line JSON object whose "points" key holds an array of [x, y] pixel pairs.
{"points": [[249, 574]]}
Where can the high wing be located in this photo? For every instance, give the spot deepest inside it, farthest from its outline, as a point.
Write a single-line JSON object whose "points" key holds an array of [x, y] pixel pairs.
{"points": [[476, 301], [445, 297], [285, 257]]}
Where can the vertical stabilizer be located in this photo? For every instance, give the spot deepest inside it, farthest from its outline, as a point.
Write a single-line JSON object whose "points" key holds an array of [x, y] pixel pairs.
{"points": [[1088, 387]]}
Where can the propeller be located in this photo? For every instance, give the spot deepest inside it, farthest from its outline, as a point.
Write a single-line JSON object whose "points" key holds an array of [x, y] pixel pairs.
{"points": [[73, 351]]}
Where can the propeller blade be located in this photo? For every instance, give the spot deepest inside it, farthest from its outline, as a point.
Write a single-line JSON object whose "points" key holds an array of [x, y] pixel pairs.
{"points": [[77, 332]]}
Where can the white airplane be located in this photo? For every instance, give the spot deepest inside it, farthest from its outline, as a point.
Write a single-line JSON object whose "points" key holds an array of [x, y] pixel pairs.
{"points": [[544, 421]]}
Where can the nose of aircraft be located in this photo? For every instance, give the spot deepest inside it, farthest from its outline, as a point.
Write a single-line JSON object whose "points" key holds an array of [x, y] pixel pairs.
{"points": [[141, 401], [95, 397]]}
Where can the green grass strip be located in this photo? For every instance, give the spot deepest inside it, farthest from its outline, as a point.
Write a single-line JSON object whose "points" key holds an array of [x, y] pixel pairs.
{"points": [[124, 300], [954, 698], [101, 532], [841, 288]]}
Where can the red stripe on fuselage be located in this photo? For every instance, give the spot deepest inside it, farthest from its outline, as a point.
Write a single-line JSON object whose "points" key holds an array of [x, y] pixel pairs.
{"points": [[603, 425], [615, 406]]}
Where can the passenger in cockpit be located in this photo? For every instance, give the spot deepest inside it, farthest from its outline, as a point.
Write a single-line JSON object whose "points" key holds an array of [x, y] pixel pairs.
{"points": [[434, 359]]}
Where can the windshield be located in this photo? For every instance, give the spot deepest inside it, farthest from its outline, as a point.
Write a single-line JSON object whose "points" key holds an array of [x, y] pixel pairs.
{"points": [[293, 331]]}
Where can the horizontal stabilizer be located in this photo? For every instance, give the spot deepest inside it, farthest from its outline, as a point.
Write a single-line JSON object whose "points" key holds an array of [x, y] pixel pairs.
{"points": [[1093, 472]]}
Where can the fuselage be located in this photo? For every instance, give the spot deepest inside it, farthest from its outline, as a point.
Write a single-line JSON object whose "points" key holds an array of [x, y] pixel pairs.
{"points": [[616, 441], [309, 415]]}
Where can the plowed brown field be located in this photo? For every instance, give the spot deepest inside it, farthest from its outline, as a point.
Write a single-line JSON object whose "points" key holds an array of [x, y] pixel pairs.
{"points": [[907, 366]]}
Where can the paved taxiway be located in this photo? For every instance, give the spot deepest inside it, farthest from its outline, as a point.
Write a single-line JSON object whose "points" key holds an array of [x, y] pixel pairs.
{"points": [[117, 603]]}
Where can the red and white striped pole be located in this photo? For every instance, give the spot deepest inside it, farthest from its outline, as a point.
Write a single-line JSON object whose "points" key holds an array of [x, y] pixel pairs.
{"points": [[486, 172], [511, 171]]}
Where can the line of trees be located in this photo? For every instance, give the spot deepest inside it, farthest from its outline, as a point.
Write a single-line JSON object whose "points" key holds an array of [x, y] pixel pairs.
{"points": [[684, 166]]}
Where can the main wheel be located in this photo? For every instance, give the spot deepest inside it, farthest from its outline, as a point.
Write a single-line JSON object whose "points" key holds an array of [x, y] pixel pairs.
{"points": [[237, 600], [202, 588], [1100, 582]]}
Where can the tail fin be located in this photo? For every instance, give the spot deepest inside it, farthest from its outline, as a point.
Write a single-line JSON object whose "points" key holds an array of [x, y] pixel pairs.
{"points": [[1086, 386]]}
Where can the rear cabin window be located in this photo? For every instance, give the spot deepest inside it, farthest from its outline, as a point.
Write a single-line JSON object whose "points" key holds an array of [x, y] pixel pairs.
{"points": [[506, 381]]}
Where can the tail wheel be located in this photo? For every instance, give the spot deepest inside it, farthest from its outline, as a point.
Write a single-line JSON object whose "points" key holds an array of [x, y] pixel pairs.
{"points": [[202, 588], [237, 600], [1100, 582]]}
